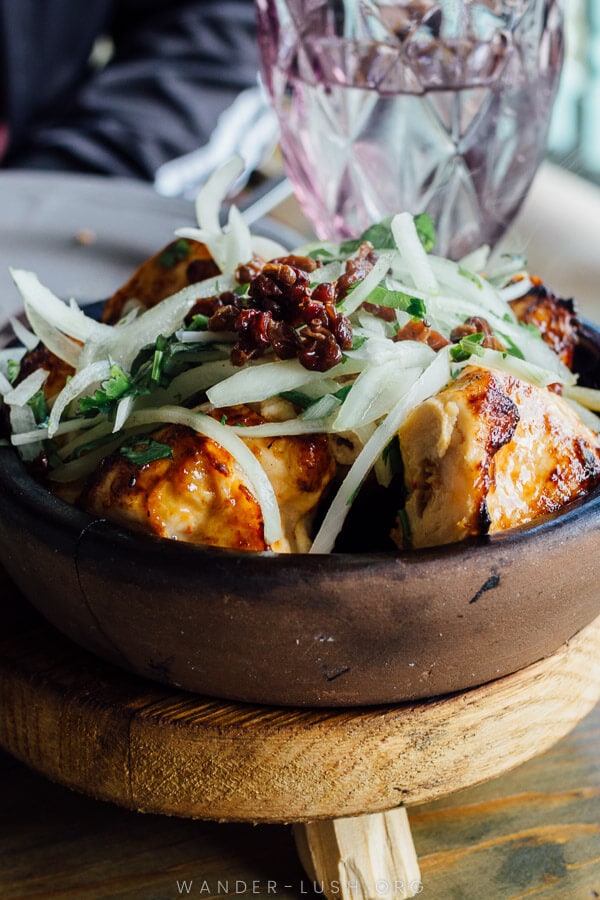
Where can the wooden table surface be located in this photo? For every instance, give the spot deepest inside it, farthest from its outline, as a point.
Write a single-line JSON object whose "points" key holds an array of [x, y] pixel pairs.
{"points": [[533, 833]]}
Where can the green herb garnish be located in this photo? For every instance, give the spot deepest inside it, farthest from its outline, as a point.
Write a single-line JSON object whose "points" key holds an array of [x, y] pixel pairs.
{"points": [[198, 322], [13, 367], [320, 253], [425, 230], [416, 308], [298, 398], [467, 347], [141, 451], [39, 406], [174, 253], [102, 400], [380, 296]]}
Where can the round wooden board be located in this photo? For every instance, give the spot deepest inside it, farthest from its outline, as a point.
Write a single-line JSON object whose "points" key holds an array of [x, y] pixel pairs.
{"points": [[117, 737]]}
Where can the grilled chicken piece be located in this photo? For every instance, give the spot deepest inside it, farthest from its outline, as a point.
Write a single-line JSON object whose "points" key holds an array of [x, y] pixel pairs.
{"points": [[555, 317], [202, 496], [41, 358], [180, 263], [490, 452]]}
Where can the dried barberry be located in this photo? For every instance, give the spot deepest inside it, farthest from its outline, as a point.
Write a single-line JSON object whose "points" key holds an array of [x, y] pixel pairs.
{"points": [[284, 313]]}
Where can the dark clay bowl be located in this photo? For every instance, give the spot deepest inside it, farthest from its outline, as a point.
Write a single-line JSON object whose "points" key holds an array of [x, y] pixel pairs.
{"points": [[338, 630]]}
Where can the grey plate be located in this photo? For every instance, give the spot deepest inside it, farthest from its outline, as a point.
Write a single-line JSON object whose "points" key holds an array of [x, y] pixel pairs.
{"points": [[42, 218]]}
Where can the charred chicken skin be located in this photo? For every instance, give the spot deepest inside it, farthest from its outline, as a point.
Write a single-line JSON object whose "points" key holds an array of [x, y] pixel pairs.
{"points": [[201, 495], [490, 452], [177, 265]]}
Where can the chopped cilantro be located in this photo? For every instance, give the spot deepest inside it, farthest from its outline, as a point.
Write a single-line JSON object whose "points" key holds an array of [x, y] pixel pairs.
{"points": [[467, 347], [13, 367], [116, 386], [379, 235], [512, 347], [532, 329], [175, 253], [199, 322], [320, 253], [380, 296], [404, 523], [224, 419], [425, 230], [416, 308], [392, 456], [37, 403], [297, 398], [343, 392], [142, 450]]}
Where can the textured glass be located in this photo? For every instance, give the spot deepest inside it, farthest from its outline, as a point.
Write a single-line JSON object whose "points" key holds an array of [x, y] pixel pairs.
{"points": [[420, 106]]}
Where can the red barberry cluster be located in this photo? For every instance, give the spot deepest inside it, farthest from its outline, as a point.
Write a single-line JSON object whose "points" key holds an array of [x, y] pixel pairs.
{"points": [[283, 312]]}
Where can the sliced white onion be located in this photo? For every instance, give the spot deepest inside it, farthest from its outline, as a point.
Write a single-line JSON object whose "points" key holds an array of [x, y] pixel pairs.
{"points": [[28, 437], [85, 464], [239, 240], [467, 285], [374, 394], [88, 433], [413, 253], [27, 337], [266, 248], [584, 396], [407, 353], [259, 382], [433, 379], [287, 428], [331, 271], [206, 337], [322, 408], [193, 381], [92, 375], [588, 417], [477, 259], [52, 338], [520, 368], [164, 318], [124, 410], [363, 288], [22, 420], [211, 195], [27, 388], [67, 318], [5, 385], [516, 289]]}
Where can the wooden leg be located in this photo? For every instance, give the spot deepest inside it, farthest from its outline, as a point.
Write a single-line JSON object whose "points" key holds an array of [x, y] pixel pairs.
{"points": [[370, 857]]}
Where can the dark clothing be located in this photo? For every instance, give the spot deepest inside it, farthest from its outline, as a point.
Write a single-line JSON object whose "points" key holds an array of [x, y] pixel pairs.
{"points": [[176, 65]]}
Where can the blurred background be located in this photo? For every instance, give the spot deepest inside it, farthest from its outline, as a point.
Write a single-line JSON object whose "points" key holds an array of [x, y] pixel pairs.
{"points": [[575, 131]]}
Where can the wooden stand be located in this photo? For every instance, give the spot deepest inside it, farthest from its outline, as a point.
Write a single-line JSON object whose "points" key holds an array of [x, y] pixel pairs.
{"points": [[91, 727]]}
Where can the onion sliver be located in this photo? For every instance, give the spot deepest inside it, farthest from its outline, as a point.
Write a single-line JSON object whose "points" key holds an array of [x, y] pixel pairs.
{"points": [[27, 337], [93, 374], [433, 379], [259, 382], [67, 318], [413, 253], [24, 391]]}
